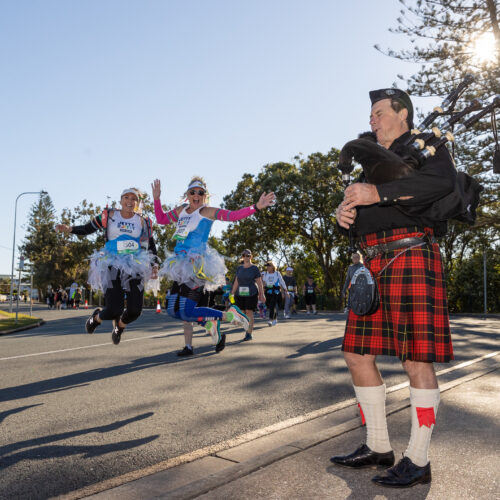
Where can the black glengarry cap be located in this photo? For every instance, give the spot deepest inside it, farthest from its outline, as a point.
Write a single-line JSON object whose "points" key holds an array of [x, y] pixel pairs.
{"points": [[399, 95]]}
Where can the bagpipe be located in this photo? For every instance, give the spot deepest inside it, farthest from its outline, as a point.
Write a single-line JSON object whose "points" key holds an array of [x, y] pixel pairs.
{"points": [[381, 165]]}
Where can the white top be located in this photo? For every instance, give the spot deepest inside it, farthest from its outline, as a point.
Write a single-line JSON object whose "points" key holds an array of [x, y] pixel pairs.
{"points": [[187, 223], [273, 279], [118, 226]]}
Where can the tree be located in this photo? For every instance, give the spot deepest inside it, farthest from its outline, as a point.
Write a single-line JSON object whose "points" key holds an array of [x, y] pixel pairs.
{"points": [[448, 30], [443, 34], [41, 243], [301, 224]]}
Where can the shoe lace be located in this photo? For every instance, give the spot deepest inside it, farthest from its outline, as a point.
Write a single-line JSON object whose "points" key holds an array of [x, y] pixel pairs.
{"points": [[404, 466]]}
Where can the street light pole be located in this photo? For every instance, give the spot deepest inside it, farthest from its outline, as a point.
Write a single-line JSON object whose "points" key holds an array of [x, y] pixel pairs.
{"points": [[14, 244]]}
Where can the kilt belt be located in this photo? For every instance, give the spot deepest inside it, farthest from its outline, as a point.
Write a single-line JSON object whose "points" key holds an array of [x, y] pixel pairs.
{"points": [[372, 251]]}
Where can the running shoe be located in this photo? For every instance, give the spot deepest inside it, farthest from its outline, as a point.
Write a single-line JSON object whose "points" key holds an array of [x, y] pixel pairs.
{"points": [[248, 336], [213, 329], [91, 324], [221, 344], [269, 323], [186, 351], [116, 335], [275, 322], [237, 317]]}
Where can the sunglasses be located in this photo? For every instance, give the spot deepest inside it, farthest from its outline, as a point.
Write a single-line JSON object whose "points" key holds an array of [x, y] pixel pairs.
{"points": [[246, 255], [192, 192]]}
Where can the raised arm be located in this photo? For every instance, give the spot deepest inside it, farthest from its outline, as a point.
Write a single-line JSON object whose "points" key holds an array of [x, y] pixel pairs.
{"points": [[265, 200], [170, 217]]}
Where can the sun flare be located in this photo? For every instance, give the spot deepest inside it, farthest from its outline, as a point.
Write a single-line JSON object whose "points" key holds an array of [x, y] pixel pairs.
{"points": [[484, 48]]}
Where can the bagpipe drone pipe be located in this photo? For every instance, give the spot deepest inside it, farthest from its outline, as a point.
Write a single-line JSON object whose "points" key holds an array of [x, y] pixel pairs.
{"points": [[381, 165]]}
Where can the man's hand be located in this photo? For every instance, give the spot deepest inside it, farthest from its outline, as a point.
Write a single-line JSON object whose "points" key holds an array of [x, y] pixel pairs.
{"points": [[345, 217], [360, 194]]}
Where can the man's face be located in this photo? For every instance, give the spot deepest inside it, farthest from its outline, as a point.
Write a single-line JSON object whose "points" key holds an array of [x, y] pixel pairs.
{"points": [[386, 123], [355, 258]]}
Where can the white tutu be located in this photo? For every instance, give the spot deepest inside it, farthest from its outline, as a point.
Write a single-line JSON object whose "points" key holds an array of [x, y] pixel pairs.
{"points": [[104, 267], [194, 269]]}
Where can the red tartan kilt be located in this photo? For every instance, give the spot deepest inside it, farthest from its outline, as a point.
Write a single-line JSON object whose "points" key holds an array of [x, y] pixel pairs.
{"points": [[412, 320]]}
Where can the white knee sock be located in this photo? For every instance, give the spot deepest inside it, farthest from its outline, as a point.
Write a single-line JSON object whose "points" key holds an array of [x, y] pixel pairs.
{"points": [[424, 405], [372, 403]]}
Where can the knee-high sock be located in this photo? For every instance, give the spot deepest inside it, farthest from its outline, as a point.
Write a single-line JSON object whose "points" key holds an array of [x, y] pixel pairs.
{"points": [[424, 405], [372, 403]]}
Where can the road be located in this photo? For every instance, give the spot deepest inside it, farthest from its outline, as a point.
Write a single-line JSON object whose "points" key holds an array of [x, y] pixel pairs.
{"points": [[76, 410]]}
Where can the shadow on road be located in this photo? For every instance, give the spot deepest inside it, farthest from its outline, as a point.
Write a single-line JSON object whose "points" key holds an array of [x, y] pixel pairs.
{"points": [[41, 449]]}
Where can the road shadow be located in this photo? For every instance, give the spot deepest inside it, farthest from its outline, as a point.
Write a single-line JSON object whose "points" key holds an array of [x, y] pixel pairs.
{"points": [[42, 449], [8, 413], [317, 347]]}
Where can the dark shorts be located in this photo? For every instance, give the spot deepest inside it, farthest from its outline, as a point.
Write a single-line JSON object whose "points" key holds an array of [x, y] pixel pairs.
{"points": [[197, 295], [246, 302], [310, 299], [412, 319]]}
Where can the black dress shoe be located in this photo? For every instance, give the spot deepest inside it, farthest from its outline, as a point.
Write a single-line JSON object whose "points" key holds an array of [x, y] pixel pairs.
{"points": [[404, 474], [364, 457]]}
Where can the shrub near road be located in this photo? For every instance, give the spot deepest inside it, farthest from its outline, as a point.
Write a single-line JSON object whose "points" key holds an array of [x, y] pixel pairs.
{"points": [[8, 321]]}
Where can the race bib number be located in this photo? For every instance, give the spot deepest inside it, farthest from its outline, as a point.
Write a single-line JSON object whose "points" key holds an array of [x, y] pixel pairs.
{"points": [[181, 233], [290, 288], [244, 291], [310, 291], [127, 246]]}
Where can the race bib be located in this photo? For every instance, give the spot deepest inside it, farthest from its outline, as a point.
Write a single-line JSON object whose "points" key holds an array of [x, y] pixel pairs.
{"points": [[127, 246], [244, 291], [310, 291], [290, 288], [181, 232]]}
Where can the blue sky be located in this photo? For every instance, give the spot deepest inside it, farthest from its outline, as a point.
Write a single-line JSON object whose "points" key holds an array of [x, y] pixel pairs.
{"points": [[98, 95]]}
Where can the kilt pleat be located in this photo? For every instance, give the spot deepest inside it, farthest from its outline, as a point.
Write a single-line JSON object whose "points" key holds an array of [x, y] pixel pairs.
{"points": [[412, 321]]}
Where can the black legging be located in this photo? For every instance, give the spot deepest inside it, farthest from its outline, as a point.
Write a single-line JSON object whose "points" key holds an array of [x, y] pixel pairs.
{"points": [[115, 302], [272, 303]]}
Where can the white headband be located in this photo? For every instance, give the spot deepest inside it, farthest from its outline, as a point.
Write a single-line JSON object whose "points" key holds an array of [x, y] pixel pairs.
{"points": [[197, 184], [130, 190]]}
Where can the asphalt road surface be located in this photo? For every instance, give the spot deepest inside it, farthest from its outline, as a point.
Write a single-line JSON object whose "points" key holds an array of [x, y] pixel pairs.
{"points": [[76, 409]]}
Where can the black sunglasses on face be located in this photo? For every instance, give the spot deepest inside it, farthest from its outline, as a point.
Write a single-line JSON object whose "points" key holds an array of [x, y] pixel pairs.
{"points": [[199, 193], [246, 255]]}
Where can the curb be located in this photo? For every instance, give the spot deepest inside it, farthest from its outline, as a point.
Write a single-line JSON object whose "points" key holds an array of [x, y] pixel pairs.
{"points": [[23, 328], [228, 475], [247, 467]]}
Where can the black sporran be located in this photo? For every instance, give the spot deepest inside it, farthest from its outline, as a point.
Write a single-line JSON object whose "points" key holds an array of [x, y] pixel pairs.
{"points": [[364, 296]]}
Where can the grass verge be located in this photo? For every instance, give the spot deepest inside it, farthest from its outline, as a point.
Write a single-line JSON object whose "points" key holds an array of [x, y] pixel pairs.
{"points": [[8, 321]]}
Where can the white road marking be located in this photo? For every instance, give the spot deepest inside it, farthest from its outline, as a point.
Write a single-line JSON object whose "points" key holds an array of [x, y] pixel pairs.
{"points": [[78, 348]]}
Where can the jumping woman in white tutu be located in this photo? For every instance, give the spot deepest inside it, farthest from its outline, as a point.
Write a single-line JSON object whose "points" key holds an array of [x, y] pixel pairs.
{"points": [[195, 267], [125, 264]]}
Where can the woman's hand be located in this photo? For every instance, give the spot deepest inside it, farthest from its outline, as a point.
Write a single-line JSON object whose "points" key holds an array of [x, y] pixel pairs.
{"points": [[345, 217], [154, 272], [266, 200], [156, 185], [63, 228], [262, 298]]}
